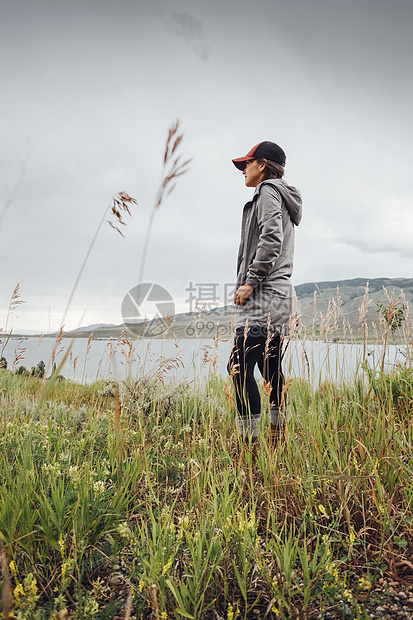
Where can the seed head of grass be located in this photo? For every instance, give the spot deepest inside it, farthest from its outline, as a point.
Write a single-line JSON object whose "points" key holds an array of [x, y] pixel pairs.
{"points": [[173, 167], [121, 204]]}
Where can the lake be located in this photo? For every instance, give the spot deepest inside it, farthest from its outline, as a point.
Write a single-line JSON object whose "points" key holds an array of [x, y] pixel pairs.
{"points": [[188, 358]]}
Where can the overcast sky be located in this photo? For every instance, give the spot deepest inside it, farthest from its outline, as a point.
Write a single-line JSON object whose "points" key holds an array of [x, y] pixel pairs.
{"points": [[90, 88]]}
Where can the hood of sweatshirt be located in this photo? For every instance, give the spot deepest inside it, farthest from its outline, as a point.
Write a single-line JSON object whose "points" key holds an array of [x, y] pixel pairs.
{"points": [[290, 195]]}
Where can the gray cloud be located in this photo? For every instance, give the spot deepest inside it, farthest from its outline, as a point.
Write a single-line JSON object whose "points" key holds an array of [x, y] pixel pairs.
{"points": [[371, 247], [191, 30]]}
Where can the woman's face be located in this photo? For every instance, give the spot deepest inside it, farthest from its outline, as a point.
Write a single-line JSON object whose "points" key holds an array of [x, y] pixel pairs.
{"points": [[253, 173]]}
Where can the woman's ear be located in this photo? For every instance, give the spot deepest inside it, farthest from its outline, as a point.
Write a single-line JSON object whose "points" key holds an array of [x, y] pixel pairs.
{"points": [[262, 166]]}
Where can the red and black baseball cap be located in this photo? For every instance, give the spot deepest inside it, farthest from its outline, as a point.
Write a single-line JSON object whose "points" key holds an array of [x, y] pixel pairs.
{"points": [[266, 150]]}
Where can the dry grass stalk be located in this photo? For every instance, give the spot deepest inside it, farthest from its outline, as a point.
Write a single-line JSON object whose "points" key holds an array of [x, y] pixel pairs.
{"points": [[121, 204], [88, 347], [58, 348], [321, 325], [337, 309], [227, 392], [173, 168], [165, 365], [111, 352], [176, 167], [345, 323], [329, 315], [207, 356], [295, 316], [376, 333], [126, 348], [15, 301], [306, 361], [407, 325], [286, 385], [215, 355], [75, 361], [363, 318], [167, 319], [176, 345], [324, 324], [267, 389], [89, 344], [107, 346], [314, 313], [19, 352]]}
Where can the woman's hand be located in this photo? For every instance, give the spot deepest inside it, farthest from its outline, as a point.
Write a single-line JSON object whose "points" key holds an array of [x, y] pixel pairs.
{"points": [[242, 294]]}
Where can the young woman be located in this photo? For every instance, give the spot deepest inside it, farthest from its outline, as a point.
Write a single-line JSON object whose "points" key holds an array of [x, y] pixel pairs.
{"points": [[264, 292]]}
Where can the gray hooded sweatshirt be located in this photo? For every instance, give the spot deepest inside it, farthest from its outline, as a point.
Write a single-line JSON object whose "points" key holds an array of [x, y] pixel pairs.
{"points": [[266, 252]]}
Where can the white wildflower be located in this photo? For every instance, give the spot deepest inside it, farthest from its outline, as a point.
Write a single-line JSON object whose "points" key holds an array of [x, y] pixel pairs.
{"points": [[98, 487]]}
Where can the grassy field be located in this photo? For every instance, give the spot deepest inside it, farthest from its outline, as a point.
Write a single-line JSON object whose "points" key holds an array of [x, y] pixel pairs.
{"points": [[136, 499]]}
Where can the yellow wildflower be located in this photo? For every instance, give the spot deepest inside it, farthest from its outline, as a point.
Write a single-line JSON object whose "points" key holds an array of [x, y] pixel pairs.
{"points": [[348, 595], [61, 546], [164, 615], [323, 510], [365, 584], [13, 567], [167, 567], [332, 570], [141, 585], [18, 590]]}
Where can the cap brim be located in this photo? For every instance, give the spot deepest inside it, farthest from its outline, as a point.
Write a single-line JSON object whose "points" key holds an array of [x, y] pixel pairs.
{"points": [[241, 162]]}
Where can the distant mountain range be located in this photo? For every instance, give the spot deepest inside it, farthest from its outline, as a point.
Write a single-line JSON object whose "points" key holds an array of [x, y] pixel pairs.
{"points": [[324, 309]]}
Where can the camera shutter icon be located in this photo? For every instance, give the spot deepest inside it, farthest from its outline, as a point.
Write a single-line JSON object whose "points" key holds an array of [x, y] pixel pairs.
{"points": [[146, 303]]}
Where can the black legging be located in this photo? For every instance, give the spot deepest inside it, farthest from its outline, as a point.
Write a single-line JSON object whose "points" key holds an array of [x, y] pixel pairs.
{"points": [[255, 347]]}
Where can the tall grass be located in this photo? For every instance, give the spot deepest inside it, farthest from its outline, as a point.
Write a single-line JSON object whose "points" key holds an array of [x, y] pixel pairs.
{"points": [[136, 498]]}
